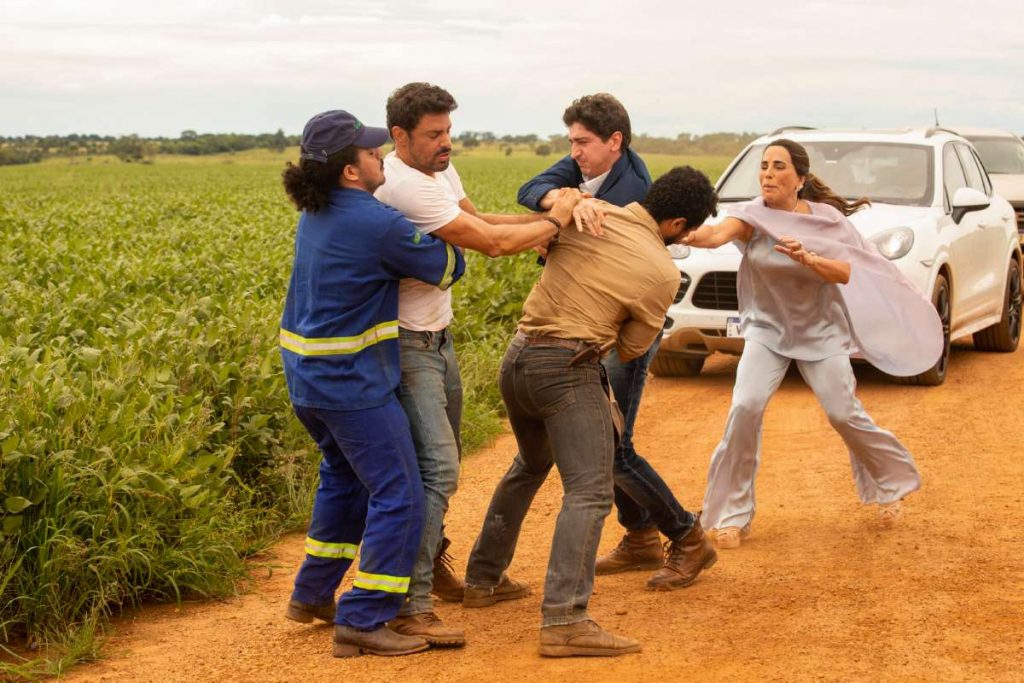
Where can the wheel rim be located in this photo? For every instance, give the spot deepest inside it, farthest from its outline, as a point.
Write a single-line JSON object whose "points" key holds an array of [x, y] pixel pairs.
{"points": [[942, 308], [1013, 303]]}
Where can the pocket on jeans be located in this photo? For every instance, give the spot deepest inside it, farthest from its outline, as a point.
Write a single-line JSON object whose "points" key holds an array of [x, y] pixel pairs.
{"points": [[551, 391]]}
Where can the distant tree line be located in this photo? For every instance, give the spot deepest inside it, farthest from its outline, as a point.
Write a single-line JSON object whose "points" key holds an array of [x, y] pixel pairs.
{"points": [[718, 144], [31, 148]]}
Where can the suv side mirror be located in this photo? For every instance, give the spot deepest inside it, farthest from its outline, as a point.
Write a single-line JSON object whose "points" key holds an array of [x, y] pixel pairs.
{"points": [[967, 199]]}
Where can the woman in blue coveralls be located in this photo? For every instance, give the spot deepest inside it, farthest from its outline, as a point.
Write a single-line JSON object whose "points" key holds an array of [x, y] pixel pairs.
{"points": [[339, 345]]}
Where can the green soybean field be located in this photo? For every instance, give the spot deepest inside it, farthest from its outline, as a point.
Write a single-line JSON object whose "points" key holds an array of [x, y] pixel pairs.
{"points": [[147, 444]]}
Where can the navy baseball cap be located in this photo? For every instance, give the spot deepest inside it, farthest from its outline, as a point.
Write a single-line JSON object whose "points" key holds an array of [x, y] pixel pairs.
{"points": [[330, 132]]}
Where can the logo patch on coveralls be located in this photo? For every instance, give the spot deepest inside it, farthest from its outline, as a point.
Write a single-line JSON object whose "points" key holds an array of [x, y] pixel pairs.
{"points": [[417, 237]]}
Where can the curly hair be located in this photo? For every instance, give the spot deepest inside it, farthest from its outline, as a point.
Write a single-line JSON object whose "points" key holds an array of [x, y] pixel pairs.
{"points": [[683, 192], [601, 114], [407, 105], [814, 189], [309, 184]]}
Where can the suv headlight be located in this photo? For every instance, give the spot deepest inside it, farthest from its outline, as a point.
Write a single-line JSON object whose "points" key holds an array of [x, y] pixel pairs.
{"points": [[678, 251], [895, 243]]}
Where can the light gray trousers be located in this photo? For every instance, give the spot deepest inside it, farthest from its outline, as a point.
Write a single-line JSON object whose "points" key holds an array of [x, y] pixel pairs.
{"points": [[883, 470]]}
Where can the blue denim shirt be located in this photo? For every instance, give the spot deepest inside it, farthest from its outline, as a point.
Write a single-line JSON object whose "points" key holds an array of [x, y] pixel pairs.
{"points": [[627, 181]]}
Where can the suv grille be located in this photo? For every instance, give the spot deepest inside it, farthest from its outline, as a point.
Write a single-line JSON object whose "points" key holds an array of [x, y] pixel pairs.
{"points": [[717, 291]]}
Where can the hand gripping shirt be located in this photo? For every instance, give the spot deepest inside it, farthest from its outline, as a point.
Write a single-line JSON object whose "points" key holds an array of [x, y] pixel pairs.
{"points": [[339, 330]]}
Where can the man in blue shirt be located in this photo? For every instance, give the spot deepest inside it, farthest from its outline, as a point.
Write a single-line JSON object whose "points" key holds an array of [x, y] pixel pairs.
{"points": [[602, 164], [339, 346]]}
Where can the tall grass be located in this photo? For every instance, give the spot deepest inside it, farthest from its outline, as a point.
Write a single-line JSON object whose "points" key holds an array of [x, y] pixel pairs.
{"points": [[147, 446]]}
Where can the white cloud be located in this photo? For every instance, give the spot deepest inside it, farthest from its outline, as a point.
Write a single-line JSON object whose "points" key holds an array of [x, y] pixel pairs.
{"points": [[683, 66]]}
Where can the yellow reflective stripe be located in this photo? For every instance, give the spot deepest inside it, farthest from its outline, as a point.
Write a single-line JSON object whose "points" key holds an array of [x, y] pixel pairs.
{"points": [[330, 346], [331, 550], [381, 582], [446, 279]]}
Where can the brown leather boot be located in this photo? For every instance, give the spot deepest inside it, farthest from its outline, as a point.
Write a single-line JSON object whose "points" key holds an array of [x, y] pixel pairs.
{"points": [[687, 558], [447, 585], [304, 613], [583, 639], [351, 642], [507, 589], [430, 628], [637, 550]]}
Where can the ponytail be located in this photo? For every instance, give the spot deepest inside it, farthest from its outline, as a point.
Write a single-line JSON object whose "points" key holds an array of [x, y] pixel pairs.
{"points": [[309, 184], [816, 191]]}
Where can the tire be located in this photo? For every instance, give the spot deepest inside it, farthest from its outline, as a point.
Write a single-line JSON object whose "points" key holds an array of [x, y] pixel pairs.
{"points": [[936, 375], [673, 364], [1005, 334]]}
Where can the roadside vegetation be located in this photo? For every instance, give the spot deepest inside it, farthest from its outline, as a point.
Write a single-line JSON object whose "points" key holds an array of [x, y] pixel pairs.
{"points": [[147, 446]]}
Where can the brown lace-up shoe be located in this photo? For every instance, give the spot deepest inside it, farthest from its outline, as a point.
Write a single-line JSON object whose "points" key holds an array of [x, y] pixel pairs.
{"points": [[430, 628], [351, 642], [507, 589], [686, 559], [583, 639], [637, 550], [304, 613], [447, 586]]}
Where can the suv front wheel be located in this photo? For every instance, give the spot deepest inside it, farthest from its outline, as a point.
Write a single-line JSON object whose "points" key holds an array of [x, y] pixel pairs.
{"points": [[937, 374], [675, 364]]}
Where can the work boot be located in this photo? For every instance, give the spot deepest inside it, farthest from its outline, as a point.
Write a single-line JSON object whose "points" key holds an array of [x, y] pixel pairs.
{"points": [[507, 589], [686, 558], [428, 626], [637, 550], [304, 613], [583, 639], [351, 642], [447, 585]]}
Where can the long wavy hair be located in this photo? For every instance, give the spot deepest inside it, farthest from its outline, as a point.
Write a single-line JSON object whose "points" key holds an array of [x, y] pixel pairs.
{"points": [[814, 189], [309, 184]]}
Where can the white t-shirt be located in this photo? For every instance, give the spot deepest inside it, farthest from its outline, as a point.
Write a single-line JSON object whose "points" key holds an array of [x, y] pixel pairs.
{"points": [[430, 202]]}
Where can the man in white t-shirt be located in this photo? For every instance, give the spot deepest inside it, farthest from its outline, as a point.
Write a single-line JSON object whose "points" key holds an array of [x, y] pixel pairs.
{"points": [[423, 185]]}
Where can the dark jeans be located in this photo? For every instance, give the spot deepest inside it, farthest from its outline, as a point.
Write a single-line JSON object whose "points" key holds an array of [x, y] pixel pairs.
{"points": [[560, 416], [642, 497]]}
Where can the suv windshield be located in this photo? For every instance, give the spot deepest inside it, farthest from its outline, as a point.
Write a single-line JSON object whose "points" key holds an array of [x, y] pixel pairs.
{"points": [[1000, 155], [889, 173]]}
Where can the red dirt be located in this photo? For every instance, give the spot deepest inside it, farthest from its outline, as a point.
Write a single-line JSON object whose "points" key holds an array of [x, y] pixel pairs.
{"points": [[819, 592]]}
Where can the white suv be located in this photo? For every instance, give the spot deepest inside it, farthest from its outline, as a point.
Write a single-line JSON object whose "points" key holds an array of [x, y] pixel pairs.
{"points": [[933, 213]]}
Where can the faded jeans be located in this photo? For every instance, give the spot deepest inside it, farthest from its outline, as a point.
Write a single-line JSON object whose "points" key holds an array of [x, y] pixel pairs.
{"points": [[431, 395], [642, 497], [560, 416]]}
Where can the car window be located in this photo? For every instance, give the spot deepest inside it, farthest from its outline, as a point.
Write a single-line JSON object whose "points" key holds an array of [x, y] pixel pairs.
{"points": [[952, 173], [971, 167], [984, 173], [1000, 155], [742, 183], [884, 172]]}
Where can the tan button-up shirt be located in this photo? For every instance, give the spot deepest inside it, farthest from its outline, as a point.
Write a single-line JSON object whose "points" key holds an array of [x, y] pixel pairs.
{"points": [[598, 289]]}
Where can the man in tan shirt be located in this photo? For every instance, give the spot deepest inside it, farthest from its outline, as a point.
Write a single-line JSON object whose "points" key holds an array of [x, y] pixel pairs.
{"points": [[616, 290]]}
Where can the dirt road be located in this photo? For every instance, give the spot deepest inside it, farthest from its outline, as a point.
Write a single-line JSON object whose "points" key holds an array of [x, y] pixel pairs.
{"points": [[819, 592]]}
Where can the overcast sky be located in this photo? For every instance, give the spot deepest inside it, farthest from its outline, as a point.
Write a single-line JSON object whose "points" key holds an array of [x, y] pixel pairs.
{"points": [[114, 67]]}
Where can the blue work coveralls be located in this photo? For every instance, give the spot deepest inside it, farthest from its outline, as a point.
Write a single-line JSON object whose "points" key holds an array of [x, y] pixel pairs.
{"points": [[339, 345]]}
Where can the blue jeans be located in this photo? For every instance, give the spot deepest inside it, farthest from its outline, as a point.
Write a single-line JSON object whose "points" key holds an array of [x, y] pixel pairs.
{"points": [[642, 497], [431, 394], [369, 494], [560, 416]]}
